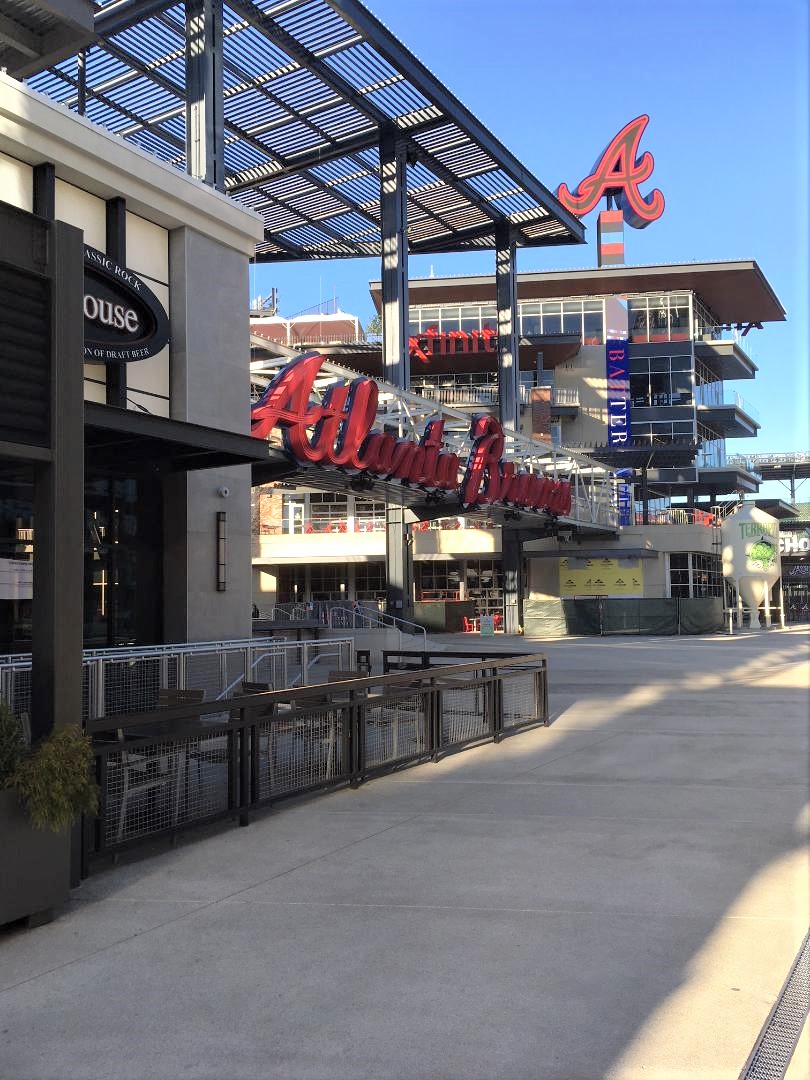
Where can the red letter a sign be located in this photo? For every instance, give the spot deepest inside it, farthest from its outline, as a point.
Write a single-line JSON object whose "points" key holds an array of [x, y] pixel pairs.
{"points": [[619, 172]]}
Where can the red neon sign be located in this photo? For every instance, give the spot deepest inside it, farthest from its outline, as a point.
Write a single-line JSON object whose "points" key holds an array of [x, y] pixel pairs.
{"points": [[337, 434], [618, 172], [441, 342]]}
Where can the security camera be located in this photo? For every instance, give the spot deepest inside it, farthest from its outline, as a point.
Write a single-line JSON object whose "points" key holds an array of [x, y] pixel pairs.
{"points": [[223, 492]]}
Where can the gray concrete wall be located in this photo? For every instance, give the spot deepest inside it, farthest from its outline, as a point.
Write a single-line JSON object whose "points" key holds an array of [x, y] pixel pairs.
{"points": [[210, 384]]}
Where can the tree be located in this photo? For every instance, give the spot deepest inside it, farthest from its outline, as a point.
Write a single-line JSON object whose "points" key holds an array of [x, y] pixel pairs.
{"points": [[375, 325]]}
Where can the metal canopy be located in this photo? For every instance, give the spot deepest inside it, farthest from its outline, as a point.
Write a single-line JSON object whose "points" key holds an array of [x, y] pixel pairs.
{"points": [[309, 88]]}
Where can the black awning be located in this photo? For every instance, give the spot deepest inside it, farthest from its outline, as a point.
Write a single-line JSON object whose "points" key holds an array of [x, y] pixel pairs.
{"points": [[141, 440]]}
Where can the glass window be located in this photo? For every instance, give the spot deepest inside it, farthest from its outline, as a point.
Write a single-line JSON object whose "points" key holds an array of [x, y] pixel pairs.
{"points": [[489, 317], [530, 322], [327, 582], [681, 388], [450, 319], [429, 317], [369, 516], [572, 317], [552, 318], [369, 581], [637, 318], [328, 512], [593, 332], [470, 319], [640, 390], [659, 388], [437, 580]]}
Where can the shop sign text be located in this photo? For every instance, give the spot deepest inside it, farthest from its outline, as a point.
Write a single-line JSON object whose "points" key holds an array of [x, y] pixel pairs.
{"points": [[618, 392], [123, 319], [337, 433]]}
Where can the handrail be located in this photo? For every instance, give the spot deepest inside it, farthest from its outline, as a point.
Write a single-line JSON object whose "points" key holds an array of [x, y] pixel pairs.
{"points": [[260, 701], [375, 620]]}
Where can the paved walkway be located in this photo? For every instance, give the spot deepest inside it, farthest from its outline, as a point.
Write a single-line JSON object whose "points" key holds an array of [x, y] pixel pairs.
{"points": [[620, 895]]}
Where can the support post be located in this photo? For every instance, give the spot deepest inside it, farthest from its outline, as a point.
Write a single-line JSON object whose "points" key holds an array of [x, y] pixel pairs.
{"points": [[56, 648], [645, 497], [508, 354], [511, 557], [204, 114], [394, 215], [116, 222], [396, 359]]}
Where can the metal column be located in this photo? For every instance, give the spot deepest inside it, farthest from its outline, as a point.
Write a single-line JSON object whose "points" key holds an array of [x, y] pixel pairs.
{"points": [[511, 560], [396, 359], [204, 116], [508, 355], [56, 660], [116, 231]]}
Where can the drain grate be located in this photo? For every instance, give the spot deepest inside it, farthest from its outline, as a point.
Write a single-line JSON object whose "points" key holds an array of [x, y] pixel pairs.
{"points": [[777, 1041]]}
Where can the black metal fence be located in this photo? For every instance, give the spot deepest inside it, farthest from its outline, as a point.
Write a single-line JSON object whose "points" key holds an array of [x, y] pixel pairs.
{"points": [[167, 770]]}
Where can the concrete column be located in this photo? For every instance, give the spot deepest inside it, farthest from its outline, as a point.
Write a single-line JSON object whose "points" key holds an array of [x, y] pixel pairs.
{"points": [[396, 360], [511, 558], [210, 346], [508, 355]]}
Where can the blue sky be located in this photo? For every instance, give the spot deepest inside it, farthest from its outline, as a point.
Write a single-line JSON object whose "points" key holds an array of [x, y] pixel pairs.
{"points": [[725, 83]]}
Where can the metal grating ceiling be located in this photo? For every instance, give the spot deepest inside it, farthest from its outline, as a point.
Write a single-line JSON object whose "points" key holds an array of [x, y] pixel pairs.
{"points": [[308, 89]]}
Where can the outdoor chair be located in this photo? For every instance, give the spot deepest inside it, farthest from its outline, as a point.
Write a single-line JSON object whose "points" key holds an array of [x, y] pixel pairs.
{"points": [[143, 774]]}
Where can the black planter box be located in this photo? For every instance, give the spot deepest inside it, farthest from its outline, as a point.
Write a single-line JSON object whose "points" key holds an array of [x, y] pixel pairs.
{"points": [[35, 865]]}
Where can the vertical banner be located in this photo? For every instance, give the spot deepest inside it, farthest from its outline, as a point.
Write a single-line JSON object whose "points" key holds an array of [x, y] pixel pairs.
{"points": [[618, 392]]}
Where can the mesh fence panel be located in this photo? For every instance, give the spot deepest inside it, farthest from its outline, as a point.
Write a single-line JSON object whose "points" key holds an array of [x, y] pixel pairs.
{"points": [[520, 701], [396, 730], [300, 752], [464, 713], [204, 672], [131, 685], [153, 788]]}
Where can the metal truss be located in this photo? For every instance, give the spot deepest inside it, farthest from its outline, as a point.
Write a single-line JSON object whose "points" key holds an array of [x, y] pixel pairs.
{"points": [[303, 94], [405, 415]]}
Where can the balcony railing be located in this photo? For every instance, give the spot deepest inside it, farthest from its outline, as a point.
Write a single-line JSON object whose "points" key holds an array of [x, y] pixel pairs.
{"points": [[486, 393], [710, 395], [338, 527]]}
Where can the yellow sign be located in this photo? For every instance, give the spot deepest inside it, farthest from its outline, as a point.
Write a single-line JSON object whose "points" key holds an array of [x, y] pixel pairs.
{"points": [[601, 577]]}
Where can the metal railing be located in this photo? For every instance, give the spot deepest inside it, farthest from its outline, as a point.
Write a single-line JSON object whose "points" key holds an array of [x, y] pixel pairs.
{"points": [[460, 393], [117, 681], [164, 771]]}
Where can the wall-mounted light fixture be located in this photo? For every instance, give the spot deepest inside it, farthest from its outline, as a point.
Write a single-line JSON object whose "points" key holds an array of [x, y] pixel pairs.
{"points": [[222, 551]]}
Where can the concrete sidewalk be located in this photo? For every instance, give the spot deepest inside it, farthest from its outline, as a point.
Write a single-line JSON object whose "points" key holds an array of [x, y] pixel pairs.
{"points": [[620, 895]]}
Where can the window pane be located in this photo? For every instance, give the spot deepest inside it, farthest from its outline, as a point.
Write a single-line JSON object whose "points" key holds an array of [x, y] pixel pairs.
{"points": [[572, 323], [640, 390], [593, 332]]}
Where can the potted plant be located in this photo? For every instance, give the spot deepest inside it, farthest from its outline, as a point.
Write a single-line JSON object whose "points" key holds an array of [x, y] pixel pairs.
{"points": [[44, 788]]}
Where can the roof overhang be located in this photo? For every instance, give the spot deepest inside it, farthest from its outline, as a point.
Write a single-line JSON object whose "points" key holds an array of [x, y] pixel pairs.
{"points": [[37, 33], [730, 421], [310, 90], [146, 441], [734, 291]]}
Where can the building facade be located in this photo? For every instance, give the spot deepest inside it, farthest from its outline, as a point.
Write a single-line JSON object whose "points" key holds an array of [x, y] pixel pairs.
{"points": [[165, 449], [686, 330]]}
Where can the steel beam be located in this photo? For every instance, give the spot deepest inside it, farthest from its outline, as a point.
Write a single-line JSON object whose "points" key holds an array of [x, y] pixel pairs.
{"points": [[204, 120], [512, 569], [117, 17], [394, 215], [418, 75], [506, 297], [396, 359]]}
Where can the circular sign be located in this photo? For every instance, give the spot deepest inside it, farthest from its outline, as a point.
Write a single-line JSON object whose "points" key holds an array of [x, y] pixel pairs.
{"points": [[123, 319]]}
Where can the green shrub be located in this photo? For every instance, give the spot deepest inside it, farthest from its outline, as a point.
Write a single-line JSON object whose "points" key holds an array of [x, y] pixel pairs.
{"points": [[52, 778]]}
